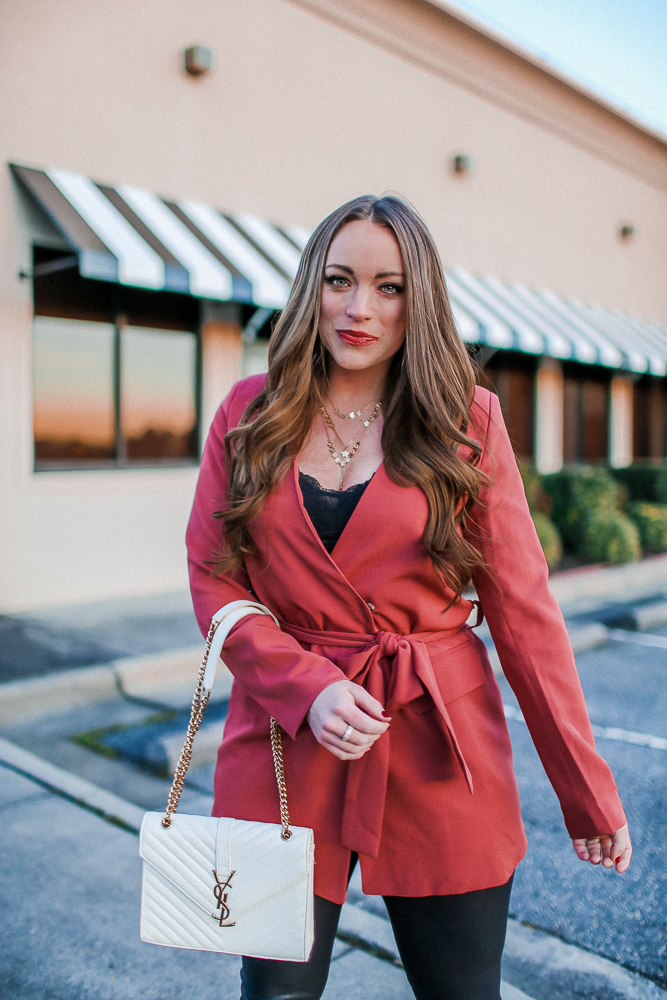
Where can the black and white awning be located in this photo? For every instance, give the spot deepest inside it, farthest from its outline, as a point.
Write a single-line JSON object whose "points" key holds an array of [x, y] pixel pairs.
{"points": [[129, 235], [514, 317]]}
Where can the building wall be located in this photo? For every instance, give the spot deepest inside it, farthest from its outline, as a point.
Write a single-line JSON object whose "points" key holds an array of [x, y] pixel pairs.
{"points": [[301, 113], [309, 104]]}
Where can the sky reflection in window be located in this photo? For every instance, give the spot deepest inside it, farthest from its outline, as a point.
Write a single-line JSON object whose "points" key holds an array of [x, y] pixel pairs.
{"points": [[158, 416], [73, 409]]}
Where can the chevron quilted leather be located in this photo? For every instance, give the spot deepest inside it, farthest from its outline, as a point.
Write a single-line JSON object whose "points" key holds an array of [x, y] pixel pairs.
{"points": [[269, 897]]}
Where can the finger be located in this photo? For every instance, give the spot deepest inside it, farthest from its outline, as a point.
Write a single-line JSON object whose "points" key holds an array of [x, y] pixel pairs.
{"points": [[368, 703], [581, 850], [623, 859], [621, 849], [606, 845], [364, 723], [342, 750], [595, 853], [356, 739]]}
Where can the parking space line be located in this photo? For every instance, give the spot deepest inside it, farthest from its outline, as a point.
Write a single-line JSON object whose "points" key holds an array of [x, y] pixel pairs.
{"points": [[639, 638], [606, 732]]}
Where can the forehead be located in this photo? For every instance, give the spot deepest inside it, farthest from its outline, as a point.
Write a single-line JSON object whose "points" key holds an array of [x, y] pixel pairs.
{"points": [[365, 245]]}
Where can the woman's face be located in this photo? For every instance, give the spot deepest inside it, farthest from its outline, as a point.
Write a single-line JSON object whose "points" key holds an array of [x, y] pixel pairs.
{"points": [[363, 311]]}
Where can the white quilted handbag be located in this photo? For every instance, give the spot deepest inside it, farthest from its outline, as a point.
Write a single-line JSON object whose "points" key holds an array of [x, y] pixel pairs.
{"points": [[230, 885]]}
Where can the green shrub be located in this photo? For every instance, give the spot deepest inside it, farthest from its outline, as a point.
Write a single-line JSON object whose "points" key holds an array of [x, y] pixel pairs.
{"points": [[651, 520], [532, 484], [576, 492], [547, 533], [644, 481], [609, 536]]}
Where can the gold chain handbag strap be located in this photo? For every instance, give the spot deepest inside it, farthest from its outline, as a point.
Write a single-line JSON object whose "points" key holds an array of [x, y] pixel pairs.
{"points": [[199, 702]]}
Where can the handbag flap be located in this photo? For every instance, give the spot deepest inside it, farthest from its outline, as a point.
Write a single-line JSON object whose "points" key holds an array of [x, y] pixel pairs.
{"points": [[196, 853], [183, 853]]}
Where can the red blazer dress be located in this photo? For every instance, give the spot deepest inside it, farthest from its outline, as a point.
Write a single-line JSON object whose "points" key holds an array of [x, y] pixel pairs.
{"points": [[433, 808]]}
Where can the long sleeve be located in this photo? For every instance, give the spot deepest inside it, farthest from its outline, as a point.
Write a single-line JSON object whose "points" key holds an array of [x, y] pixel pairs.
{"points": [[528, 629], [270, 665]]}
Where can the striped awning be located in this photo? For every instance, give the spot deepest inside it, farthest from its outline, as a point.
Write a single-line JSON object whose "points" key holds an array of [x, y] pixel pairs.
{"points": [[131, 236], [514, 317]]}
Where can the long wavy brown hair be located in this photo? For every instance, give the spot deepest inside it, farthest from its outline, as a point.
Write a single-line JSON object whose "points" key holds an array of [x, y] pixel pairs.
{"points": [[426, 402]]}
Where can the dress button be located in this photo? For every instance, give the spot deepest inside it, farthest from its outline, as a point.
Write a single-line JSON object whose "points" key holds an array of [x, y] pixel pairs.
{"points": [[371, 606]]}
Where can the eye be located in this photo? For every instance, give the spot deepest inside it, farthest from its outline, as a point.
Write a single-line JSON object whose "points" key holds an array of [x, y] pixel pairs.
{"points": [[336, 280], [392, 288]]}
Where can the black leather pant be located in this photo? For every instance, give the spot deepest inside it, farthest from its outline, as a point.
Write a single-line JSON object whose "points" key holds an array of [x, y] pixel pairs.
{"points": [[450, 947]]}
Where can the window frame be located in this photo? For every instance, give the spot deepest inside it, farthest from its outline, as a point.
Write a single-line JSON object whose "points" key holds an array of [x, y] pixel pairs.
{"points": [[115, 312]]}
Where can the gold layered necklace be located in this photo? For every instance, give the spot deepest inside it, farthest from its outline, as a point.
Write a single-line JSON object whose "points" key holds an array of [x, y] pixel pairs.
{"points": [[353, 413], [347, 452]]}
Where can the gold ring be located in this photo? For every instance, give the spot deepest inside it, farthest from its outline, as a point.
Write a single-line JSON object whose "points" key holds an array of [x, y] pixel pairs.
{"points": [[346, 735], [598, 840]]}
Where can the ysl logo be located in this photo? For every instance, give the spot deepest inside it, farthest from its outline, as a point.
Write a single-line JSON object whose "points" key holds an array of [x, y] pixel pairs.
{"points": [[221, 896]]}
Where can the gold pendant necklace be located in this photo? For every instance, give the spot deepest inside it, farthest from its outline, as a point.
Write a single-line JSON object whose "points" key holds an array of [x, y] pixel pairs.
{"points": [[348, 451], [355, 413]]}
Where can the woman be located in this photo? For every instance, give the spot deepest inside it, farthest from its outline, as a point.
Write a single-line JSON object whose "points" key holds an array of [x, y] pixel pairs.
{"points": [[361, 486]]}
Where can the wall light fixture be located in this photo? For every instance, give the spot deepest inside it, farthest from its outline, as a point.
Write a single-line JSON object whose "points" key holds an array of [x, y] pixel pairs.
{"points": [[462, 163], [198, 60]]}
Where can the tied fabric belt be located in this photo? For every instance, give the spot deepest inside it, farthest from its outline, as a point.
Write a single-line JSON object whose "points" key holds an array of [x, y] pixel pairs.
{"points": [[394, 669]]}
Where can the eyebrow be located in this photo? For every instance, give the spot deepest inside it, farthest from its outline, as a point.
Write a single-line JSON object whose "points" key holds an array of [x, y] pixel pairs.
{"points": [[380, 274]]}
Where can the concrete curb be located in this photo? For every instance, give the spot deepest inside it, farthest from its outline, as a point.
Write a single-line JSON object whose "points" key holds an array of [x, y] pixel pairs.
{"points": [[368, 927], [166, 678], [640, 618], [641, 579], [588, 636], [582, 638], [204, 749], [65, 689], [81, 791]]}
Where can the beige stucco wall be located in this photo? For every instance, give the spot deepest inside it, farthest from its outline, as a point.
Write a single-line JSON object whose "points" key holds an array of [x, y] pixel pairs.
{"points": [[307, 106], [301, 113]]}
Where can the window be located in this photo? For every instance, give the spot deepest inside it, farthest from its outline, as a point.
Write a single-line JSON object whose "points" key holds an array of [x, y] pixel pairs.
{"points": [[512, 377], [157, 403], [649, 418], [585, 415], [73, 402], [112, 394]]}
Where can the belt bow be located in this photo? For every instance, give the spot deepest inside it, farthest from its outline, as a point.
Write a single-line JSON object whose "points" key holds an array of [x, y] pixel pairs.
{"points": [[395, 669]]}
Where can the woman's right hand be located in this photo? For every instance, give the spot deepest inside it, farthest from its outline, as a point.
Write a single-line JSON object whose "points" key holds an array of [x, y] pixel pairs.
{"points": [[344, 704]]}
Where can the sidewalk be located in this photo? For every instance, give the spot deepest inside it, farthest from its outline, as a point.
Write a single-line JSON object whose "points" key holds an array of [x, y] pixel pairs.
{"points": [[70, 863], [47, 642], [72, 886]]}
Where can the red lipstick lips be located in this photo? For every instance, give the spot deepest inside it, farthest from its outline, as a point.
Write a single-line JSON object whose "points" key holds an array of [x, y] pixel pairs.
{"points": [[356, 337]]}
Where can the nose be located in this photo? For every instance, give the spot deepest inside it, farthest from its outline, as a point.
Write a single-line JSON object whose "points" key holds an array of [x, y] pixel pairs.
{"points": [[358, 305]]}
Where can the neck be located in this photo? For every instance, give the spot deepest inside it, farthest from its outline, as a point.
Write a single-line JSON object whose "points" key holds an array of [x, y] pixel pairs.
{"points": [[353, 389]]}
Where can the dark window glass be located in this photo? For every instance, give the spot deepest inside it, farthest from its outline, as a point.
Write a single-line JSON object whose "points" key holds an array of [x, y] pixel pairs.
{"points": [[516, 391], [648, 423], [109, 396], [157, 392], [570, 420], [585, 417], [73, 399], [512, 377], [595, 420]]}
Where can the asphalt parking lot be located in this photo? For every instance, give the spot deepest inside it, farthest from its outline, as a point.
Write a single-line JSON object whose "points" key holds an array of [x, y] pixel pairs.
{"points": [[621, 917], [576, 930]]}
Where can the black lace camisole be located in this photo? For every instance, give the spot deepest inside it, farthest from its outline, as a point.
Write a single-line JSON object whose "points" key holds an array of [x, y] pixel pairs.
{"points": [[329, 510]]}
